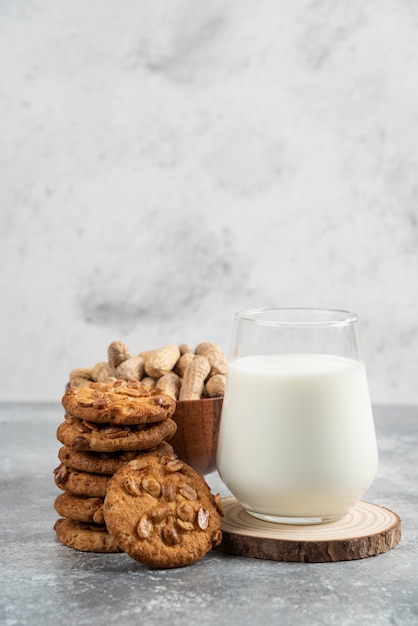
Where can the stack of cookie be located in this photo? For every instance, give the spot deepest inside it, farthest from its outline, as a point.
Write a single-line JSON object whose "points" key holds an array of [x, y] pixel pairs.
{"points": [[106, 425]]}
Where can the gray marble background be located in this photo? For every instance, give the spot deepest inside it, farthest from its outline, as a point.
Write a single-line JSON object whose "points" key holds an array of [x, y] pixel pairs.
{"points": [[166, 164]]}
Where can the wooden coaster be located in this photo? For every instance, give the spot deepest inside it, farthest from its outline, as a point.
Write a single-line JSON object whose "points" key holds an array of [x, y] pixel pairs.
{"points": [[367, 530]]}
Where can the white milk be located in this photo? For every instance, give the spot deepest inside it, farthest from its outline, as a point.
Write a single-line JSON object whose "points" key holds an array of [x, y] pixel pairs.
{"points": [[297, 435]]}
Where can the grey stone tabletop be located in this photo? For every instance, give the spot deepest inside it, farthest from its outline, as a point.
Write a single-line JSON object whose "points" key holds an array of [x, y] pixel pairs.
{"points": [[43, 582]]}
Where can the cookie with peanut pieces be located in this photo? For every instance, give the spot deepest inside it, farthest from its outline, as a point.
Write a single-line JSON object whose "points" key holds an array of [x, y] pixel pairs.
{"points": [[81, 483], [105, 462], [80, 508], [161, 512], [85, 537], [85, 435], [118, 402]]}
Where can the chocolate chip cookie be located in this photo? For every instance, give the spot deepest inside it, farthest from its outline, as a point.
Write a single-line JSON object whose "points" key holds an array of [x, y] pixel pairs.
{"points": [[119, 402], [161, 512]]}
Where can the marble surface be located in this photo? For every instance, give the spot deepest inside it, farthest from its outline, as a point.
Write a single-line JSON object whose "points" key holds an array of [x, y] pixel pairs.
{"points": [[45, 583], [164, 165]]}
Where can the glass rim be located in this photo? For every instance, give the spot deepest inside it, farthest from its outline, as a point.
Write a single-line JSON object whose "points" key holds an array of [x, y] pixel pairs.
{"points": [[331, 317]]}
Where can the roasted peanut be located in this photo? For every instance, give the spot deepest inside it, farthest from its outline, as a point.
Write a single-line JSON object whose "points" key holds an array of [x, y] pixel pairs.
{"points": [[102, 371], [145, 527], [138, 464], [170, 535], [80, 376], [185, 511], [188, 492], [203, 518], [187, 526], [215, 386], [185, 348], [194, 378], [117, 352], [162, 361], [216, 357], [160, 513], [131, 369], [149, 381], [170, 383], [132, 487], [204, 347], [174, 466], [151, 486], [183, 362]]}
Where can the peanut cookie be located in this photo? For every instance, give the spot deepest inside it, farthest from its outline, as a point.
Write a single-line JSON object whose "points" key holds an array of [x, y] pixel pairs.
{"points": [[105, 462], [118, 402], [85, 537], [85, 435], [161, 512], [81, 483], [79, 508]]}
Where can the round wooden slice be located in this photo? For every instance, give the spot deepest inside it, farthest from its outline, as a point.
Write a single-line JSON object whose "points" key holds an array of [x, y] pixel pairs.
{"points": [[367, 530]]}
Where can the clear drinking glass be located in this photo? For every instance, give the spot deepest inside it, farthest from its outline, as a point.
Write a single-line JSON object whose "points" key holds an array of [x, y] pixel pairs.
{"points": [[297, 442]]}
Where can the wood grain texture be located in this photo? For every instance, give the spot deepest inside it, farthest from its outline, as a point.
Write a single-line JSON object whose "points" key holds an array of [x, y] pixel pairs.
{"points": [[367, 530], [196, 438]]}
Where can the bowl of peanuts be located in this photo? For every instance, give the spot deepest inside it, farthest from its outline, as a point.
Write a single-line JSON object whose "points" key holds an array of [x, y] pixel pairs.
{"points": [[194, 377]]}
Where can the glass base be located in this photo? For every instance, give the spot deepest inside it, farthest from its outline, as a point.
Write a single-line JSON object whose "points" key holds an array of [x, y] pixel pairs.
{"points": [[278, 519]]}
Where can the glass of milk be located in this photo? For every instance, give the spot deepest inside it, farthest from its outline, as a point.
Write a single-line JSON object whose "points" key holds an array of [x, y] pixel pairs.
{"points": [[297, 443]]}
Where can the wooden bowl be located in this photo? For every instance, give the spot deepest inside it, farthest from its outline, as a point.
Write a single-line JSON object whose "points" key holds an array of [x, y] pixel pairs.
{"points": [[196, 439]]}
